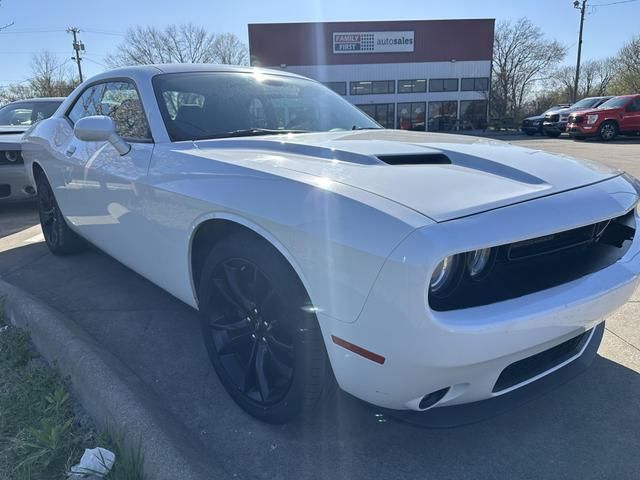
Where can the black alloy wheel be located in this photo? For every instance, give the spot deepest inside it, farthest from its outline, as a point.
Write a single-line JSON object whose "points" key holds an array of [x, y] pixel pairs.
{"points": [[60, 239], [261, 333], [249, 332]]}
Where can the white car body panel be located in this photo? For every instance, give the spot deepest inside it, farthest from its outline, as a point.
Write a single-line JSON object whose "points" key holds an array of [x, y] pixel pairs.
{"points": [[363, 236]]}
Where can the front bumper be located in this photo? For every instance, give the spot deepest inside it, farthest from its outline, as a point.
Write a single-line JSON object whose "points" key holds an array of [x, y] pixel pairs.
{"points": [[15, 184], [554, 127], [467, 350], [530, 128], [582, 130]]}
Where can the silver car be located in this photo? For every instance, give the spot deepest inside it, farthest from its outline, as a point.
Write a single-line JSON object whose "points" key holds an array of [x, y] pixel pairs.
{"points": [[15, 119]]}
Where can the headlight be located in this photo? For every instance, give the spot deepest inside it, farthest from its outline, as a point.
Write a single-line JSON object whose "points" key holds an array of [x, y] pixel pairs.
{"points": [[591, 119], [563, 118], [478, 262], [446, 276], [11, 156]]}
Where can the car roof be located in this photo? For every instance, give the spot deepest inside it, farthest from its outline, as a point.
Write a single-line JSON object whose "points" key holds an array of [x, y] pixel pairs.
{"points": [[39, 100], [148, 71]]}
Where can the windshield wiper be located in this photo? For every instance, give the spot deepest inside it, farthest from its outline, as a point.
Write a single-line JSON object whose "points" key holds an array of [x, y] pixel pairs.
{"points": [[253, 132]]}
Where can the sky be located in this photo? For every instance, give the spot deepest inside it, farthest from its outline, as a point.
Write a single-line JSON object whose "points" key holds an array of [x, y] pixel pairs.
{"points": [[41, 24]]}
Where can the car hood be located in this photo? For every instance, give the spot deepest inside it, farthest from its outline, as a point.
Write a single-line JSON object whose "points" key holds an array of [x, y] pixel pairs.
{"points": [[442, 176], [594, 111], [534, 119]]}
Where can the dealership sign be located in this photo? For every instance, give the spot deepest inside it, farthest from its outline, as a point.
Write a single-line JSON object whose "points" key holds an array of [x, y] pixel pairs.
{"points": [[372, 42]]}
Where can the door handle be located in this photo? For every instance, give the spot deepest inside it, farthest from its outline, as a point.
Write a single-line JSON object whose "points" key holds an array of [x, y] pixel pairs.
{"points": [[70, 150]]}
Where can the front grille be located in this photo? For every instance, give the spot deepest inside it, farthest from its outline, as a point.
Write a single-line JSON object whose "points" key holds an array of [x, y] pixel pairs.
{"points": [[533, 265], [554, 243], [530, 367], [5, 190]]}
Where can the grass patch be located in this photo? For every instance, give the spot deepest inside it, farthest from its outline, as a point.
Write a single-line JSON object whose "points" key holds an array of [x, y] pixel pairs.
{"points": [[42, 435]]}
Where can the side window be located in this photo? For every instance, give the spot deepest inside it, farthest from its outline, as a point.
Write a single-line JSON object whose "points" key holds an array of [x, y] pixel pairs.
{"points": [[634, 106], [121, 102], [87, 104], [118, 100]]}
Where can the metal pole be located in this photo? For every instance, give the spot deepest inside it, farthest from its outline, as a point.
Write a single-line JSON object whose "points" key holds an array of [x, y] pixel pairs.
{"points": [[575, 85], [76, 47]]}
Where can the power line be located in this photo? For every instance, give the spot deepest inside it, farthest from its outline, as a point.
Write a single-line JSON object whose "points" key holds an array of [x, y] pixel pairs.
{"points": [[103, 32], [612, 3], [20, 32]]}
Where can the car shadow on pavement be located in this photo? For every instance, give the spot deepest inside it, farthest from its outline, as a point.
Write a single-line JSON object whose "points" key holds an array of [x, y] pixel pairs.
{"points": [[16, 216], [588, 428]]}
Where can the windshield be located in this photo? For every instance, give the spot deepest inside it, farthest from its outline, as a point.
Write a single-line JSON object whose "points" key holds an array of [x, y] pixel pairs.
{"points": [[223, 104], [26, 113], [585, 103], [615, 102]]}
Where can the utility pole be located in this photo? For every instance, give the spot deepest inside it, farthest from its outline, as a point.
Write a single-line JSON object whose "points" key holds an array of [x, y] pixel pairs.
{"points": [[78, 47], [582, 7]]}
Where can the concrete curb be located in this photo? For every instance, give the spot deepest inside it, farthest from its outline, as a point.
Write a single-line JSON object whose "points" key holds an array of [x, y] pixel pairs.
{"points": [[110, 393]]}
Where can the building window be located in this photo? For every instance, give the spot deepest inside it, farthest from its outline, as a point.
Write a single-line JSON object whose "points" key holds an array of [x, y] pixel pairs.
{"points": [[412, 86], [443, 85], [442, 116], [411, 116], [373, 88], [473, 114], [339, 87], [380, 112], [474, 84]]}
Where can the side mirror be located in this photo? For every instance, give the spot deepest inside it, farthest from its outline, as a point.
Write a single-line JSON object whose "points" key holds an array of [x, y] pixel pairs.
{"points": [[100, 128]]}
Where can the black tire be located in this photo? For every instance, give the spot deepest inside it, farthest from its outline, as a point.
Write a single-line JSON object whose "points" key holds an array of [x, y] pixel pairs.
{"points": [[552, 134], [60, 239], [608, 131], [261, 333]]}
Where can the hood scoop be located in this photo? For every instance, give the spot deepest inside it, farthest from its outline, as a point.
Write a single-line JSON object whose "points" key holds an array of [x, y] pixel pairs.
{"points": [[416, 159]]}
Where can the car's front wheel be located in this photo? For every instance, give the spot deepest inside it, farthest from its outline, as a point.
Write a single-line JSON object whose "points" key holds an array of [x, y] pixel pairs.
{"points": [[607, 131], [260, 330], [60, 239]]}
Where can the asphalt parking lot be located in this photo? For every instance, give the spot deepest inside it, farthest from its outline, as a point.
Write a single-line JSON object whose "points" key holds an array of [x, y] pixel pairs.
{"points": [[587, 429]]}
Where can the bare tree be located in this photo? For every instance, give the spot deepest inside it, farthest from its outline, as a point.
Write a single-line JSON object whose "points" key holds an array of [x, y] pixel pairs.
{"points": [[49, 78], [595, 78], [627, 76], [230, 50], [522, 56], [185, 43]]}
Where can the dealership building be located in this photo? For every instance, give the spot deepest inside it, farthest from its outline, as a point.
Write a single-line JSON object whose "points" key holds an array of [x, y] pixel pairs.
{"points": [[420, 75]]}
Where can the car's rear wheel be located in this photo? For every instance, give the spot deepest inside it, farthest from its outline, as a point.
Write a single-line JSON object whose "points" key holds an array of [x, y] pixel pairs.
{"points": [[608, 131], [260, 330], [60, 239]]}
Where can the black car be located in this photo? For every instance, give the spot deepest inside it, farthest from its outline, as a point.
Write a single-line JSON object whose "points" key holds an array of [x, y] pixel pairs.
{"points": [[533, 125], [555, 121]]}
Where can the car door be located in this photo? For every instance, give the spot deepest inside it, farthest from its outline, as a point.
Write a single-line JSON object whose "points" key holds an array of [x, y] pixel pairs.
{"points": [[103, 200], [630, 121]]}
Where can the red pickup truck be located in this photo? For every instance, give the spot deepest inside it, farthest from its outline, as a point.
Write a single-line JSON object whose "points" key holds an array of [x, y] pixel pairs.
{"points": [[619, 115]]}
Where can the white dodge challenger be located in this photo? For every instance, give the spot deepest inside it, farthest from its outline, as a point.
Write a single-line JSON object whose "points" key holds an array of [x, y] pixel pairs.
{"points": [[420, 271]]}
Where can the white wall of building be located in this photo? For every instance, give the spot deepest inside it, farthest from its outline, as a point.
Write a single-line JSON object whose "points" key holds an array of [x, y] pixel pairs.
{"points": [[400, 71]]}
